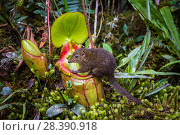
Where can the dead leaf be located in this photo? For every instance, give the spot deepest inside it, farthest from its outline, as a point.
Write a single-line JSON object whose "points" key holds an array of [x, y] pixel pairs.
{"points": [[29, 35]]}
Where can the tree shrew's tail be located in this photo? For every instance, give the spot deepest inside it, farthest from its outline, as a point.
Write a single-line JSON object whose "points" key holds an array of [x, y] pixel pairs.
{"points": [[122, 91]]}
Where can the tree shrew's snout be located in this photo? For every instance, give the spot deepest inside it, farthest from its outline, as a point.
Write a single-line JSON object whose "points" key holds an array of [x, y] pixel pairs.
{"points": [[69, 61]]}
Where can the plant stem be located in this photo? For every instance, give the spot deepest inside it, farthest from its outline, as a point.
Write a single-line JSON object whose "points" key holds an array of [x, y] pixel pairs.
{"points": [[57, 7], [66, 6], [48, 7], [49, 34], [95, 21], [112, 9], [87, 24]]}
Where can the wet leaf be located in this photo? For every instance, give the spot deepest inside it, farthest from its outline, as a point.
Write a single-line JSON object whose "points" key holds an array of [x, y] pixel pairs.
{"points": [[55, 109], [77, 109]]}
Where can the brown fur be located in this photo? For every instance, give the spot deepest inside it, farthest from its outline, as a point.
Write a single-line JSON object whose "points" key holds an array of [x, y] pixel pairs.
{"points": [[101, 63]]}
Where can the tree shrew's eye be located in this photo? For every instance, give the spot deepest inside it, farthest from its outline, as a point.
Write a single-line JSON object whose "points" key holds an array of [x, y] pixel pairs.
{"points": [[76, 56]]}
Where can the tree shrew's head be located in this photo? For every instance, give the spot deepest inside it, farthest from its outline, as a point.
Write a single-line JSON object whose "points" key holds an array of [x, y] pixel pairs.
{"points": [[77, 56]]}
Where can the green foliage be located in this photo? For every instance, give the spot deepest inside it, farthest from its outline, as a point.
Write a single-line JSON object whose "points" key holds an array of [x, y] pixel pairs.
{"points": [[161, 24], [107, 47], [6, 7]]}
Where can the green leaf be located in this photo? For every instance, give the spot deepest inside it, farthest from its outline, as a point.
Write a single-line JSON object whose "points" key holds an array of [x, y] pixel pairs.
{"points": [[120, 55], [141, 6], [1, 84], [131, 68], [69, 27], [145, 56], [8, 105], [87, 43], [2, 19], [145, 44], [20, 19], [77, 109], [157, 90], [129, 75], [5, 106], [169, 57], [12, 95], [160, 82], [55, 109], [65, 97], [130, 55], [125, 29], [171, 63], [166, 13], [24, 110], [152, 72], [139, 38], [39, 11], [107, 47]]}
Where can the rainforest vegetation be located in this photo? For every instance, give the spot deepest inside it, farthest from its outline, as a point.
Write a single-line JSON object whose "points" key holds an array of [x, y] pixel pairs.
{"points": [[38, 37]]}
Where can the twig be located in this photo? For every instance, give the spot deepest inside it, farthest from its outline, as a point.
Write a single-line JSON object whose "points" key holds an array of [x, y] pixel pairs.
{"points": [[3, 25], [49, 35], [12, 48], [90, 4], [102, 18], [49, 8], [2, 50], [112, 9], [87, 24], [95, 21], [108, 7]]}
